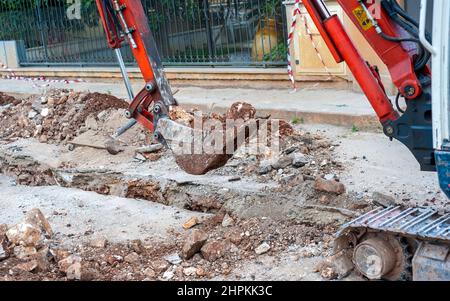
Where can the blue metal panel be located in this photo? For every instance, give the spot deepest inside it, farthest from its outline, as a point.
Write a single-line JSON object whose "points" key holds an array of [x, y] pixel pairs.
{"points": [[443, 168]]}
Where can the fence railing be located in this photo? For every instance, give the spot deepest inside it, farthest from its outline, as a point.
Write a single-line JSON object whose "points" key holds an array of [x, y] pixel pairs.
{"points": [[188, 32]]}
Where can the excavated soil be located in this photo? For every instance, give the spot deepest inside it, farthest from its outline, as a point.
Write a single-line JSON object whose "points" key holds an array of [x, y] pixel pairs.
{"points": [[139, 260], [55, 117]]}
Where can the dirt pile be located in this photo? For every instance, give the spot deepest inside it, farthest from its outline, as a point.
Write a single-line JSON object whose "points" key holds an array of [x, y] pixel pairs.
{"points": [[55, 117], [213, 248]]}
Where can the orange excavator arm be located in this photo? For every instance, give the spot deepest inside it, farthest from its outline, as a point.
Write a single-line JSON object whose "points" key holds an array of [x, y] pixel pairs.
{"points": [[125, 22]]}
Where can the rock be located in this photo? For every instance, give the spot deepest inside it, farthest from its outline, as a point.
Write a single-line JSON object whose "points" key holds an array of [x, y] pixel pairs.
{"points": [[3, 253], [140, 157], [136, 246], [299, 160], [50, 101], [32, 114], [98, 243], [3, 242], [149, 272], [91, 123], [132, 258], [26, 266], [60, 254], [234, 237], [37, 218], [329, 186], [265, 167], [44, 112], [193, 221], [287, 178], [160, 266], [329, 177], [383, 200], [241, 110], [194, 243], [23, 252], [3, 230], [201, 272], [24, 234], [64, 264], [337, 266], [262, 249], [168, 275], [228, 221], [214, 250], [173, 258], [324, 163], [283, 162], [43, 258], [328, 273], [74, 271], [190, 271], [113, 259]]}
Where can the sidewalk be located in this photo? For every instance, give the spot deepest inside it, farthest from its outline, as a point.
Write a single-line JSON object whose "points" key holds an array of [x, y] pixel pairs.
{"points": [[309, 105]]}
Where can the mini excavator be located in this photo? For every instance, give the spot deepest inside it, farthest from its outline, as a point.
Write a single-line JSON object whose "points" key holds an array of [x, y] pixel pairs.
{"points": [[389, 243]]}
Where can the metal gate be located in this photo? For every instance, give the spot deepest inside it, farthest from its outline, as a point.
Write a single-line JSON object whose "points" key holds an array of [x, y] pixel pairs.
{"points": [[188, 32]]}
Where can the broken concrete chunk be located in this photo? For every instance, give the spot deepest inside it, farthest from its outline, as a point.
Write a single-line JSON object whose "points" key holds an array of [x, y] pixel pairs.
{"points": [[173, 258], [3, 253], [299, 160], [36, 217], [64, 264], [132, 258], [227, 221], [91, 123], [26, 266], [383, 200], [282, 162], [23, 252], [262, 249], [160, 266], [194, 243], [329, 186], [337, 266], [330, 177], [99, 242], [136, 246], [24, 234], [190, 271], [74, 271], [265, 167], [241, 110], [149, 272], [32, 114]]}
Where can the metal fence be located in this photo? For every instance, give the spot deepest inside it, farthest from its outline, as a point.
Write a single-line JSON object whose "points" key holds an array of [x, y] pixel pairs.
{"points": [[188, 32]]}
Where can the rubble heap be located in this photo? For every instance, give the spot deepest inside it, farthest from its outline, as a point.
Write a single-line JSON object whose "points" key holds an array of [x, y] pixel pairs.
{"points": [[55, 117]]}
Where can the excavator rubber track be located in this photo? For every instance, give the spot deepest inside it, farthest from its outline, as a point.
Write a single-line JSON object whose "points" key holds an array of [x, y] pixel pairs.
{"points": [[396, 243]]}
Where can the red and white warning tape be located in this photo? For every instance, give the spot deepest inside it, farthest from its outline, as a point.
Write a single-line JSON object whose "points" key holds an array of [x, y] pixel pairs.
{"points": [[37, 82], [296, 12]]}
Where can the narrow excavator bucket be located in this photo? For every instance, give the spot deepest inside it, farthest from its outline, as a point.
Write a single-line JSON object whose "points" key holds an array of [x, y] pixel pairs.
{"points": [[187, 144]]}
